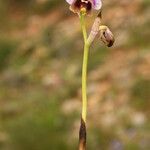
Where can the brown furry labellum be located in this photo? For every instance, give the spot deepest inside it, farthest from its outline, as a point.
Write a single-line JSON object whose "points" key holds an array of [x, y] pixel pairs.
{"points": [[80, 4]]}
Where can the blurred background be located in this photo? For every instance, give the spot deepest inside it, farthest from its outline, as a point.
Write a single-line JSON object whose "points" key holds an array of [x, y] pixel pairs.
{"points": [[40, 77]]}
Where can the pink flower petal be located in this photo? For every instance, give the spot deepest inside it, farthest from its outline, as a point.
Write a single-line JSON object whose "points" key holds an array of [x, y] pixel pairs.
{"points": [[97, 4], [70, 1]]}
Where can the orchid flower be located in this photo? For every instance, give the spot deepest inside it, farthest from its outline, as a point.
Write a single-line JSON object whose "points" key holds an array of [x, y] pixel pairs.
{"points": [[88, 5], [83, 7]]}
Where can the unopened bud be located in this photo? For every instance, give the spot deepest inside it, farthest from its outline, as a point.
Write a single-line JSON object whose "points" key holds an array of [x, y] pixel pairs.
{"points": [[106, 35]]}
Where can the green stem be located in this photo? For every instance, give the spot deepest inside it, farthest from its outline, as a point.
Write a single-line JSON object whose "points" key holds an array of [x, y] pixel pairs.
{"points": [[84, 68], [84, 80], [82, 21], [82, 132]]}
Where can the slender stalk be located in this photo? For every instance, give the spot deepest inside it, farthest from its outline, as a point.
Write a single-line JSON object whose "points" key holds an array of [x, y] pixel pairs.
{"points": [[82, 21], [82, 132], [84, 80]]}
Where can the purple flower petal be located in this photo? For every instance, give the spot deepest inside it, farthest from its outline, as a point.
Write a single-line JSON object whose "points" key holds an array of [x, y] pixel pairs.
{"points": [[97, 4], [70, 1]]}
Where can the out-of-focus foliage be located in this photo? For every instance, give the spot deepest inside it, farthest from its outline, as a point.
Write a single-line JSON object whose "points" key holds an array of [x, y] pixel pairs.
{"points": [[40, 77]]}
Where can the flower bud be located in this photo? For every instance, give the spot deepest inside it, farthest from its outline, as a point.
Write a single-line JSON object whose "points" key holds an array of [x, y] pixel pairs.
{"points": [[106, 35]]}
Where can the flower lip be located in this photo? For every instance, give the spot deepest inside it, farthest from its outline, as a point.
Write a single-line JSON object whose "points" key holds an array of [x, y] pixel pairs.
{"points": [[79, 4]]}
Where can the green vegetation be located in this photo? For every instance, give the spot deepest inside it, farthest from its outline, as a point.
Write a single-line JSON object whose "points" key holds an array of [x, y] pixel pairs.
{"points": [[40, 78], [141, 94]]}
